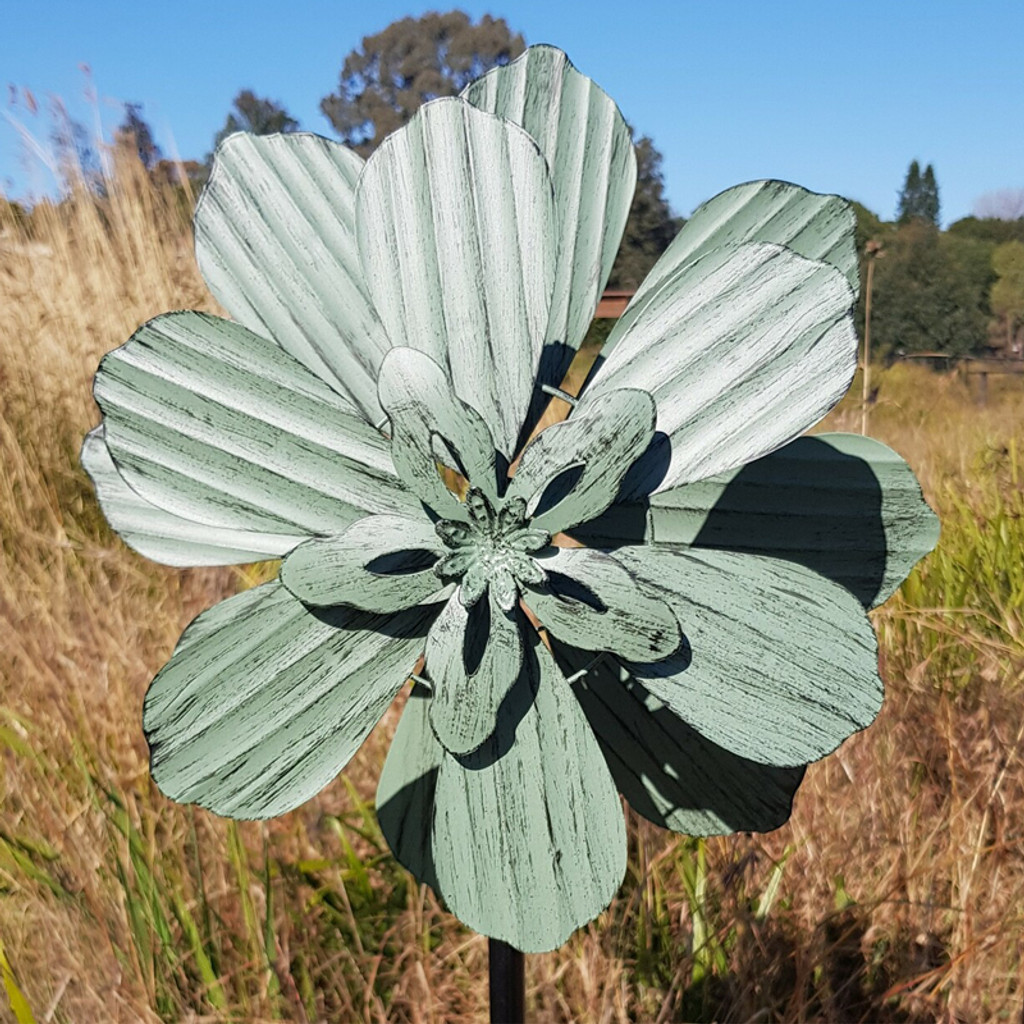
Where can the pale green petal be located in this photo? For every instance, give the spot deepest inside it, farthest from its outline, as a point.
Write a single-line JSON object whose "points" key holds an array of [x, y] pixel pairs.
{"points": [[592, 601], [455, 223], [473, 658], [529, 840], [589, 153], [379, 564], [405, 792], [423, 409], [843, 505], [583, 459], [818, 227], [779, 665], [664, 768], [163, 536], [275, 240], [258, 711], [212, 423], [742, 349]]}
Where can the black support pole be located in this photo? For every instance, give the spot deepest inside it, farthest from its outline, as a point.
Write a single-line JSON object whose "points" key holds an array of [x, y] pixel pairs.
{"points": [[508, 983]]}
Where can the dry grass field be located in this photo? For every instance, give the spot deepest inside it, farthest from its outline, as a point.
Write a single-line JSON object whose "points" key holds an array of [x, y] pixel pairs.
{"points": [[894, 894]]}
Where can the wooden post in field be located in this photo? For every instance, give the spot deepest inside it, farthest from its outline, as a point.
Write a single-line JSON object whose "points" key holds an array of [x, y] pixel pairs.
{"points": [[872, 250]]}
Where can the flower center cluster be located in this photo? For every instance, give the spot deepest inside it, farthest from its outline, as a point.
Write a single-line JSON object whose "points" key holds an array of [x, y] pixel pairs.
{"points": [[493, 549]]}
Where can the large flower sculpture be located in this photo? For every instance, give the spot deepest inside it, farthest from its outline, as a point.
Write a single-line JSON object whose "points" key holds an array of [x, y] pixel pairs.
{"points": [[700, 572]]}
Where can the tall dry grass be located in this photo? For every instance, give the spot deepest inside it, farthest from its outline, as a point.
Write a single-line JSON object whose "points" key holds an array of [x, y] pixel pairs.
{"points": [[893, 895]]}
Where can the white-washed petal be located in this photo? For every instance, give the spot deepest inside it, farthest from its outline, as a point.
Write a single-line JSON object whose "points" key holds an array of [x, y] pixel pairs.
{"points": [[589, 153], [163, 536], [743, 350], [817, 227], [528, 838], [843, 505], [664, 768], [599, 442], [424, 411], [405, 792], [257, 714], [779, 664], [276, 242], [213, 423], [455, 223], [380, 563], [473, 658], [593, 601]]}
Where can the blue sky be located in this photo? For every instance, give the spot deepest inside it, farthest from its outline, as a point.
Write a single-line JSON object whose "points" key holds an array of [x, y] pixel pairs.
{"points": [[838, 97]]}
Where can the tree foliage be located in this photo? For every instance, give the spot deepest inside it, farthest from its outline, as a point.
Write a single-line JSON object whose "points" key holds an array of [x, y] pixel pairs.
{"points": [[919, 197], [134, 132], [396, 71], [930, 292], [1007, 295], [650, 226], [255, 114]]}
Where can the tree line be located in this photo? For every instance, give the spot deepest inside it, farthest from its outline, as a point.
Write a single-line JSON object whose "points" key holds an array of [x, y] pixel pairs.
{"points": [[953, 291]]}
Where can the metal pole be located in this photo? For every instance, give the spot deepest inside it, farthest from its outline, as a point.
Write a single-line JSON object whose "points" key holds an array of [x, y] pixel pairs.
{"points": [[507, 978]]}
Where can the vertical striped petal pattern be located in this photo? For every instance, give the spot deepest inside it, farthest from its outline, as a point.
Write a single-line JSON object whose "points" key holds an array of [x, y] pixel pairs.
{"points": [[275, 240], [742, 349], [257, 711], [589, 152], [455, 224]]}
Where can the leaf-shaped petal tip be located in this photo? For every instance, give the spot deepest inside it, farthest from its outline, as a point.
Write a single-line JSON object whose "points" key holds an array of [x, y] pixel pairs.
{"points": [[276, 243], [379, 564], [163, 536], [427, 415], [473, 658], [454, 215], [599, 443], [589, 151], [742, 349], [263, 702]]}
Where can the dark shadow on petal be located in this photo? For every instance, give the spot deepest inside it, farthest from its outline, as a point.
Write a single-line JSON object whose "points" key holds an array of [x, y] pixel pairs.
{"points": [[555, 359], [648, 471], [401, 625], [568, 588], [668, 771], [512, 709], [807, 503], [402, 563], [476, 636], [407, 820], [559, 488]]}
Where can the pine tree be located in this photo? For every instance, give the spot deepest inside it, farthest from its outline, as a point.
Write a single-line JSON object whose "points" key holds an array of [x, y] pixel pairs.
{"points": [[919, 198], [910, 195], [929, 197]]}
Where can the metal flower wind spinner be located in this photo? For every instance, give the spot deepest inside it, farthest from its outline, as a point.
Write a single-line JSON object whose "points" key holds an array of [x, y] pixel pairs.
{"points": [[415, 312]]}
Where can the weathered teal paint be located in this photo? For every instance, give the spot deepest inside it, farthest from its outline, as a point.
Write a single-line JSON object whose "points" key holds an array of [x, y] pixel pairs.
{"points": [[413, 314]]}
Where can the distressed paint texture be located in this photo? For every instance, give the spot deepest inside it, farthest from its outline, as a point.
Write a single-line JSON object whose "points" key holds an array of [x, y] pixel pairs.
{"points": [[257, 712], [589, 152], [846, 506], [276, 243], [527, 837], [454, 217], [395, 322]]}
